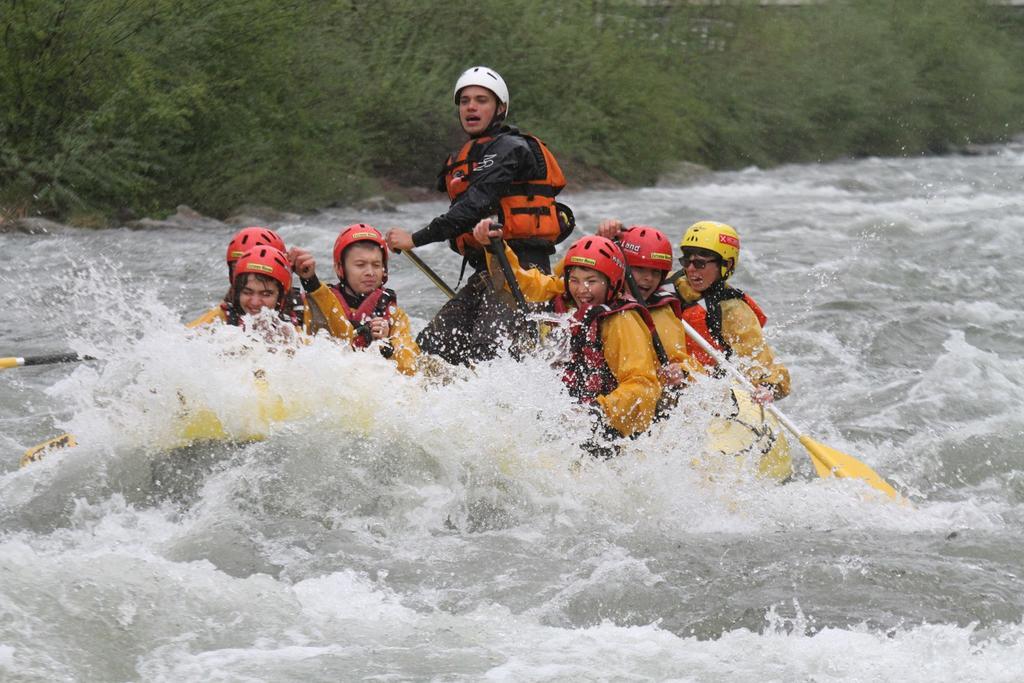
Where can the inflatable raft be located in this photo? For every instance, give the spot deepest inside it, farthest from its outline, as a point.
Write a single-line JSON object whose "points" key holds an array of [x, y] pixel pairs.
{"points": [[750, 439]]}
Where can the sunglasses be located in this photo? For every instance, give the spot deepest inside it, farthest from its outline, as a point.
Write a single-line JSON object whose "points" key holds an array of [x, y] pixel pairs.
{"points": [[696, 261]]}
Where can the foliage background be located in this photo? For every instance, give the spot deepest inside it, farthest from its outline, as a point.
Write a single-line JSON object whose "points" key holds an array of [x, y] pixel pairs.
{"points": [[115, 105]]}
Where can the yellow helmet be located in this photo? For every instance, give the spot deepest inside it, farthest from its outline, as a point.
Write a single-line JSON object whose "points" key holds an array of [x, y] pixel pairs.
{"points": [[717, 237]]}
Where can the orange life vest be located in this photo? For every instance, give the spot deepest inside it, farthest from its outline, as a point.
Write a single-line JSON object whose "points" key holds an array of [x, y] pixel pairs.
{"points": [[527, 210], [695, 314]]}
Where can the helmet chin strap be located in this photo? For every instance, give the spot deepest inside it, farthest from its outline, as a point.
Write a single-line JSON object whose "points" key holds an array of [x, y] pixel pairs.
{"points": [[728, 266]]}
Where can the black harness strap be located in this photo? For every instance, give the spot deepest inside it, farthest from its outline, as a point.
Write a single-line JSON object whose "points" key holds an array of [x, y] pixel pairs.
{"points": [[533, 190], [713, 298]]}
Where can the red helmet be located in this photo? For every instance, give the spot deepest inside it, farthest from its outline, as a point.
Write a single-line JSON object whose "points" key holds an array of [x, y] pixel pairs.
{"points": [[247, 238], [646, 247], [600, 254], [263, 260], [359, 232]]}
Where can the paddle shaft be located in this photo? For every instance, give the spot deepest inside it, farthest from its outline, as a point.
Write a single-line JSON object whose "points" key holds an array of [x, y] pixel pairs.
{"points": [[17, 361], [724, 363], [497, 248], [429, 272], [634, 289], [827, 461]]}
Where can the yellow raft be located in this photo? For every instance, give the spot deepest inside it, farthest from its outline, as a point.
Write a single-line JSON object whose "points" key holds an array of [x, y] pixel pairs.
{"points": [[747, 439], [195, 424], [750, 438]]}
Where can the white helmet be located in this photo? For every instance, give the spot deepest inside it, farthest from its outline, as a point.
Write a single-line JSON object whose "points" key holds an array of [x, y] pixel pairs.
{"points": [[485, 77]]}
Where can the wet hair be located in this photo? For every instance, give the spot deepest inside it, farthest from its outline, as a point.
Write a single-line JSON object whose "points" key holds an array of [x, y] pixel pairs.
{"points": [[263, 279]]}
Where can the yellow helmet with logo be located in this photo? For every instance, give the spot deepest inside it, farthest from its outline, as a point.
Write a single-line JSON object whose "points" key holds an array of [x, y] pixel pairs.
{"points": [[720, 238]]}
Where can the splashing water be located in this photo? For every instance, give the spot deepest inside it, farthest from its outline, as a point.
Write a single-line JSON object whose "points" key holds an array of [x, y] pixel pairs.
{"points": [[359, 523]]}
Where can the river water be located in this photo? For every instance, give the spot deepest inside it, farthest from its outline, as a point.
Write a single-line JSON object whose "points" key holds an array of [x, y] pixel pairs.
{"points": [[394, 528]]}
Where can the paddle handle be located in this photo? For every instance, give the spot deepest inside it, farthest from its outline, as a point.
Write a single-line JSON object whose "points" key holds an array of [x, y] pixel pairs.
{"points": [[429, 272], [634, 289], [18, 361]]}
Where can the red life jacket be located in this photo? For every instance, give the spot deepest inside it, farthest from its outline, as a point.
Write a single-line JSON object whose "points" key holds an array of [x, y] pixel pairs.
{"points": [[527, 210], [704, 321], [666, 295], [587, 374], [376, 304]]}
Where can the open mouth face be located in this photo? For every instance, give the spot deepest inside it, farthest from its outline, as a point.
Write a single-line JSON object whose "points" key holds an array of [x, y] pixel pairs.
{"points": [[477, 108], [587, 287], [701, 271], [647, 279]]}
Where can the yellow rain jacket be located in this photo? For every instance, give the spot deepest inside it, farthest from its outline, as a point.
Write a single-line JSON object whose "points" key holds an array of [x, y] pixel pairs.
{"points": [[673, 338], [742, 330], [626, 343], [213, 315], [404, 349]]}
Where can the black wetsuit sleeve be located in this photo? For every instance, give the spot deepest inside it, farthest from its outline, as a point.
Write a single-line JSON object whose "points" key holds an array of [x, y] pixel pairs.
{"points": [[310, 284], [506, 159]]}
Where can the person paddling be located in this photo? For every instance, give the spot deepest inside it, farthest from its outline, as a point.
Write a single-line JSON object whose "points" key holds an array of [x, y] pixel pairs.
{"points": [[725, 316], [359, 308], [612, 365], [648, 252], [242, 242], [502, 171]]}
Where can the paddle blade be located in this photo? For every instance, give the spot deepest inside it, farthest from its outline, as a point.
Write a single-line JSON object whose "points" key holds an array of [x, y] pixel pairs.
{"points": [[829, 462], [38, 452]]}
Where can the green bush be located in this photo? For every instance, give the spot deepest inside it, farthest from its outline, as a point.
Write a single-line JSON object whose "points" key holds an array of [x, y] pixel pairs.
{"points": [[107, 105]]}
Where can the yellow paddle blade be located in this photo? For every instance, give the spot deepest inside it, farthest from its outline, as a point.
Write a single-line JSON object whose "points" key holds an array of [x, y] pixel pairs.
{"points": [[37, 452], [829, 462], [203, 425], [6, 363]]}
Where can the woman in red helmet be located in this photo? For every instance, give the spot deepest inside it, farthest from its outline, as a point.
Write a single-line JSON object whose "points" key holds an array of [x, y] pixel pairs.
{"points": [[649, 256], [359, 308], [243, 241], [612, 362], [262, 280]]}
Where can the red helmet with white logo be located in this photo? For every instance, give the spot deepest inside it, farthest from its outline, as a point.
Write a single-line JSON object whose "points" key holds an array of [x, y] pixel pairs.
{"points": [[646, 247], [267, 261], [359, 232], [600, 254], [247, 238]]}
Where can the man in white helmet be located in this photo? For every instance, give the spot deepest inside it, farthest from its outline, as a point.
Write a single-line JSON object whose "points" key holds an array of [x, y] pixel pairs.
{"points": [[498, 171]]}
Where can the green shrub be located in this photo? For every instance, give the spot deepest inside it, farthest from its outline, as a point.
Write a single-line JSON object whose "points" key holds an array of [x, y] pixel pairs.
{"points": [[106, 104]]}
